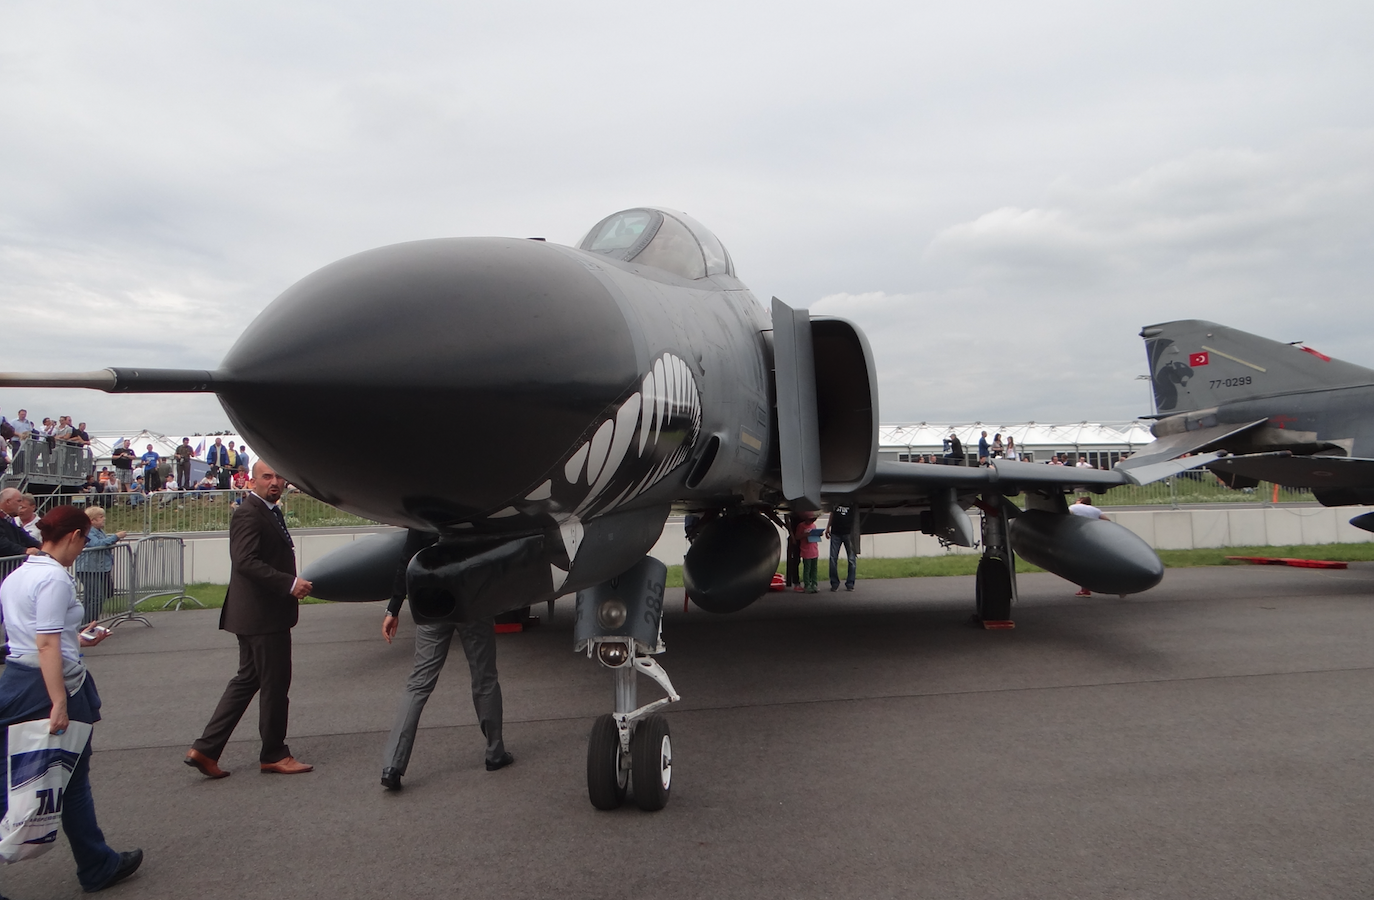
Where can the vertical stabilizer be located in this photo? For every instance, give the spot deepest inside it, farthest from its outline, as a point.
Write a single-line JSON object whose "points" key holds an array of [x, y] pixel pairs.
{"points": [[1199, 365]]}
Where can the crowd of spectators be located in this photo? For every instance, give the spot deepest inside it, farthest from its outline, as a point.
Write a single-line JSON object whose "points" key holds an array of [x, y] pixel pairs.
{"points": [[13, 433], [130, 473]]}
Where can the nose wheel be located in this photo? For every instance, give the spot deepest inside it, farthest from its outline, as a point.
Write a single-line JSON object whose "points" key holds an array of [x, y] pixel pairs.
{"points": [[633, 747], [652, 749], [608, 768], [648, 765]]}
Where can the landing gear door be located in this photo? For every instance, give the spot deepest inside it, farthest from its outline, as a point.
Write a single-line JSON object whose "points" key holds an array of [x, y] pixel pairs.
{"points": [[794, 366]]}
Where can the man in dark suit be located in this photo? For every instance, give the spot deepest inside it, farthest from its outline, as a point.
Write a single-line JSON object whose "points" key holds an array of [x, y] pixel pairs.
{"points": [[14, 540], [261, 607]]}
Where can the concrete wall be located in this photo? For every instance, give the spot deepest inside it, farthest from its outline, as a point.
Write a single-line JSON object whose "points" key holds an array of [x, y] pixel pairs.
{"points": [[207, 555]]}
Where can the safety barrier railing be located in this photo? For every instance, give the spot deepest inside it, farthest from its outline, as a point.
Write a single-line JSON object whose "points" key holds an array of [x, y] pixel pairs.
{"points": [[105, 582], [112, 581], [159, 571], [1189, 488], [47, 464], [179, 512]]}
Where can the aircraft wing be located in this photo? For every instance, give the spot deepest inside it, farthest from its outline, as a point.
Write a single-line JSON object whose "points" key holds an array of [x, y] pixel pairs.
{"points": [[1300, 471], [901, 494], [919, 480]]}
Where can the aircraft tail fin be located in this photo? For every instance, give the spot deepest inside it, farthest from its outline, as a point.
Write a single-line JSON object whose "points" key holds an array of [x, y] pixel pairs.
{"points": [[1196, 364]]}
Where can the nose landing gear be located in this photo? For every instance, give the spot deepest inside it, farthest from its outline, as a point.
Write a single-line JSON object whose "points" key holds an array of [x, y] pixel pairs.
{"points": [[620, 623]]}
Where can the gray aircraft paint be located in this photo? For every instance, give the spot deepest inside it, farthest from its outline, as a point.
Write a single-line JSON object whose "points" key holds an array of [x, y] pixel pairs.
{"points": [[1285, 413], [586, 391]]}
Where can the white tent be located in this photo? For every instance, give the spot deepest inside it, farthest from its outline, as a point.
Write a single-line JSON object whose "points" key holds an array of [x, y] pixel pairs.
{"points": [[1102, 443]]}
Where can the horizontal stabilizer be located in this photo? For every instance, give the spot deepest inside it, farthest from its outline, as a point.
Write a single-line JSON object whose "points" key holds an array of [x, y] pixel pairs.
{"points": [[1300, 471], [1365, 521], [1167, 469], [117, 380], [1172, 446]]}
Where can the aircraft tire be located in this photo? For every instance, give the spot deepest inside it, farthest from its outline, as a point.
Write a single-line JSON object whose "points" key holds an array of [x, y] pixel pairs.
{"points": [[652, 769], [606, 780], [993, 586]]}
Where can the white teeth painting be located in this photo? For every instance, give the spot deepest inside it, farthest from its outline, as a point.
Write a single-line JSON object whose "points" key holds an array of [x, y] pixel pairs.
{"points": [[665, 416], [631, 448]]}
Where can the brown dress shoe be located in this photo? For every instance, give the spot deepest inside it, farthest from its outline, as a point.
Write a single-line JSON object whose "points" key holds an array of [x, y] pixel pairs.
{"points": [[207, 766], [287, 765]]}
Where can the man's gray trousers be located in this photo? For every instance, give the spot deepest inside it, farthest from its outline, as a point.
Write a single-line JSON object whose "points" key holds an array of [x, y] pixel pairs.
{"points": [[431, 649]]}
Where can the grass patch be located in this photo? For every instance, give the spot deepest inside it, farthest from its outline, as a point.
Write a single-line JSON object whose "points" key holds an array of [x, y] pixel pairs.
{"points": [[967, 564], [212, 595]]}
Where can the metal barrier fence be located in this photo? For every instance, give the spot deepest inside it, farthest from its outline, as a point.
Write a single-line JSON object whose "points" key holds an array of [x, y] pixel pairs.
{"points": [[1199, 487], [159, 571], [112, 581], [105, 582], [190, 511], [175, 512], [46, 465]]}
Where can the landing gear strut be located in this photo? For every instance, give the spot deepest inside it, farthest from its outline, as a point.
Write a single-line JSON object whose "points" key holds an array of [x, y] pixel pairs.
{"points": [[619, 622], [996, 579]]}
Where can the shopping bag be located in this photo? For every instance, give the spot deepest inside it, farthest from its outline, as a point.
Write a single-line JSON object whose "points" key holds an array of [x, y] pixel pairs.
{"points": [[38, 767]]}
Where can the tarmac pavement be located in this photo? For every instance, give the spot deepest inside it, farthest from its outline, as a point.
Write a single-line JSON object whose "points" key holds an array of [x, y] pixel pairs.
{"points": [[1210, 738]]}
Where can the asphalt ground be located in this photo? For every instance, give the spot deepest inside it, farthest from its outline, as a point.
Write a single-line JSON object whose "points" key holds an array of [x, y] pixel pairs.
{"points": [[1210, 738]]}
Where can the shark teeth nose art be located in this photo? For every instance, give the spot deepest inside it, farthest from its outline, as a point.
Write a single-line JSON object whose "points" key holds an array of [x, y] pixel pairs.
{"points": [[667, 412]]}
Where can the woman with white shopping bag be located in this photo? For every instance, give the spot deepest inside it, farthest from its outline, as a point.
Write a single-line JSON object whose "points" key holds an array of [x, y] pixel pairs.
{"points": [[45, 678]]}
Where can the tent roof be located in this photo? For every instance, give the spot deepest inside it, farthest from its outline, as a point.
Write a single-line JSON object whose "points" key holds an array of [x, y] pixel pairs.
{"points": [[1132, 435]]}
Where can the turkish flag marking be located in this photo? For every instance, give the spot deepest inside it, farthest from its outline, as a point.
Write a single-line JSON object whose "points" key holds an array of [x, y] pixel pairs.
{"points": [[1197, 359]]}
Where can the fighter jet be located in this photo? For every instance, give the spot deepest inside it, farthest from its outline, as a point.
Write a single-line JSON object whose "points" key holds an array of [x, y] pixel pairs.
{"points": [[1254, 410], [544, 408]]}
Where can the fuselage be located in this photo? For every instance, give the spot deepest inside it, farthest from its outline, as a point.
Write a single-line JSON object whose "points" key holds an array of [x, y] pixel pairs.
{"points": [[496, 384]]}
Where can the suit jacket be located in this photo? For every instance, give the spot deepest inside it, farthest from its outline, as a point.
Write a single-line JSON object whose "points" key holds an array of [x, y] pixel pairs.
{"points": [[262, 571], [14, 540]]}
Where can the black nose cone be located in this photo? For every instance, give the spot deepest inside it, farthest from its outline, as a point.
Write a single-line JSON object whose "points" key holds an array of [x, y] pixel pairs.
{"points": [[428, 382]]}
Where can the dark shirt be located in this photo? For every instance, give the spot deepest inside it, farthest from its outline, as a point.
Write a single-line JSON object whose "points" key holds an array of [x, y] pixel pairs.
{"points": [[841, 520], [123, 459]]}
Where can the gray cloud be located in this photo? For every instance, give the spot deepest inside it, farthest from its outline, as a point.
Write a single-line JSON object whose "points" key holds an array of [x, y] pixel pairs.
{"points": [[1008, 191], [1032, 312]]}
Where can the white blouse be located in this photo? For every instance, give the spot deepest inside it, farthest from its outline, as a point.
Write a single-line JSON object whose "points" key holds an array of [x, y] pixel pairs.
{"points": [[40, 598]]}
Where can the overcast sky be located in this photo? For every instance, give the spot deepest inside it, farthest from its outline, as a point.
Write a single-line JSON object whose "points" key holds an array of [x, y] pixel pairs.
{"points": [[1000, 195]]}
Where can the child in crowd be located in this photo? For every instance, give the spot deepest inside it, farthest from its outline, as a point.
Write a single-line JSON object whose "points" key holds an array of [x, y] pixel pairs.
{"points": [[810, 551]]}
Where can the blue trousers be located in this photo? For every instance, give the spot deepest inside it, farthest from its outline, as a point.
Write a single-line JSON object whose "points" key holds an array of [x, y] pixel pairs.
{"points": [[836, 542], [95, 860]]}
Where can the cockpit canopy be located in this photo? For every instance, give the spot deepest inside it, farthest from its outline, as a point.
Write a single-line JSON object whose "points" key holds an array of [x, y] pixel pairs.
{"points": [[662, 238]]}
